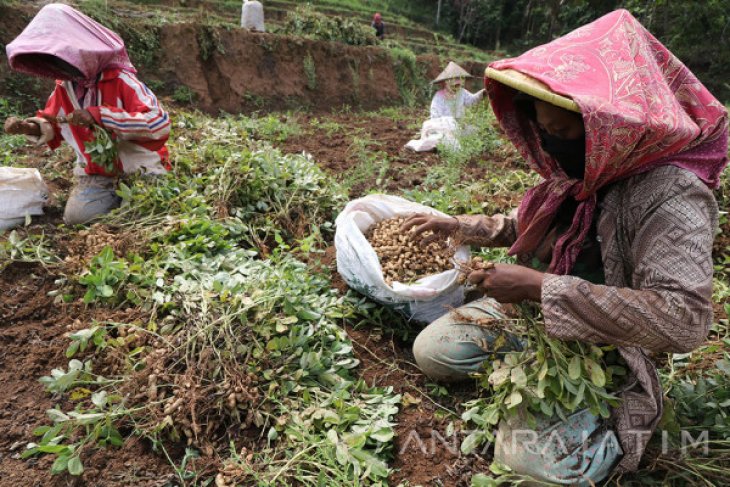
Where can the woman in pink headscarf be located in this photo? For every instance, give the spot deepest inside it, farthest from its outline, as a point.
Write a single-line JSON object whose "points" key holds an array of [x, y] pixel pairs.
{"points": [[615, 243], [96, 87]]}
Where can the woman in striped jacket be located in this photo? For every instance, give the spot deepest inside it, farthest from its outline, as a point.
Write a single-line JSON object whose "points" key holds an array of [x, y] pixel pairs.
{"points": [[96, 88]]}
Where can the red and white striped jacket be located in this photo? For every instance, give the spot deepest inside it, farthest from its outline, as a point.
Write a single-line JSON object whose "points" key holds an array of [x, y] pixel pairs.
{"points": [[127, 109]]}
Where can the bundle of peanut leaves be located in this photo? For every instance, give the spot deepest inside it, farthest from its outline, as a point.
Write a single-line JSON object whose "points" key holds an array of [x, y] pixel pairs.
{"points": [[548, 378], [103, 150]]}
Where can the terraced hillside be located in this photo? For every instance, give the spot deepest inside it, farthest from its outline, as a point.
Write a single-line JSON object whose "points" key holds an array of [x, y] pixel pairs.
{"points": [[196, 52]]}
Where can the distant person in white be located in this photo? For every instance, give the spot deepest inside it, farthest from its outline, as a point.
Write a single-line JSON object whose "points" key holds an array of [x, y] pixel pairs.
{"points": [[452, 98], [252, 16], [447, 107]]}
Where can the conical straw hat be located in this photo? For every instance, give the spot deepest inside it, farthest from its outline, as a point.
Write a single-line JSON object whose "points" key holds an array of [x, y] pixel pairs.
{"points": [[452, 71], [531, 86]]}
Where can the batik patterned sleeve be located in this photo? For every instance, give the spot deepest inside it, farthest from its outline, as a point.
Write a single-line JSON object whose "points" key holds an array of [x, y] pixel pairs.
{"points": [[140, 116], [666, 305], [487, 231]]}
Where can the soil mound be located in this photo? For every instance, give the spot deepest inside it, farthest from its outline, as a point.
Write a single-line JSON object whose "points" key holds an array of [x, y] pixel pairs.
{"points": [[239, 71]]}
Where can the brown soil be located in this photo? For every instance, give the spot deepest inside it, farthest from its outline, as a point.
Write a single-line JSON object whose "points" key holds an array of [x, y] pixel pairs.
{"points": [[337, 152], [32, 342], [425, 454]]}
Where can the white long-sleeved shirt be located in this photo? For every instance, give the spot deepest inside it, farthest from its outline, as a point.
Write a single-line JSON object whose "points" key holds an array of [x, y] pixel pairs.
{"points": [[443, 106]]}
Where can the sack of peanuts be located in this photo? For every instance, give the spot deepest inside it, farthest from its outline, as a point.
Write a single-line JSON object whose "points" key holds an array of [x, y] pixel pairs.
{"points": [[22, 193], [376, 258]]}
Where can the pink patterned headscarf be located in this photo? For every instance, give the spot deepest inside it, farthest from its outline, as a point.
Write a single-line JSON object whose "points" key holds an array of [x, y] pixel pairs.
{"points": [[66, 33], [641, 107]]}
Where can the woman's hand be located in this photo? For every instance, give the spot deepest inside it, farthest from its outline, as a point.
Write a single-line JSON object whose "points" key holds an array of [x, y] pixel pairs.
{"points": [[81, 117], [508, 283], [442, 227]]}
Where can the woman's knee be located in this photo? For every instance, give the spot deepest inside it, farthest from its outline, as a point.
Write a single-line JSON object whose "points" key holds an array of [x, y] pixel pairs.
{"points": [[430, 349], [92, 197], [447, 352]]}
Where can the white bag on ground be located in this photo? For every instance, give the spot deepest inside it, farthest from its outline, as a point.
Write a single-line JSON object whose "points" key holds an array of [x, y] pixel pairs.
{"points": [[252, 16], [435, 131], [22, 192], [358, 264]]}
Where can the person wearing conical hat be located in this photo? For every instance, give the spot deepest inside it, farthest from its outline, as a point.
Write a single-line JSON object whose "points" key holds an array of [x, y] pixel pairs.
{"points": [[452, 98], [614, 244]]}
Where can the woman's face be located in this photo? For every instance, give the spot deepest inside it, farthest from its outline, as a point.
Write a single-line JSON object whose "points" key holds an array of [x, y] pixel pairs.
{"points": [[454, 85], [559, 122]]}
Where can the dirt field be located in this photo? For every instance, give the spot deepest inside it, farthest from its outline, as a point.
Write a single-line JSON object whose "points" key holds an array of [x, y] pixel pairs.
{"points": [[33, 329]]}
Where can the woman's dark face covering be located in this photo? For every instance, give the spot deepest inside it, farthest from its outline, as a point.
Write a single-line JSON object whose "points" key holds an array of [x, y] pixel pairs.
{"points": [[54, 66], [562, 134], [570, 154]]}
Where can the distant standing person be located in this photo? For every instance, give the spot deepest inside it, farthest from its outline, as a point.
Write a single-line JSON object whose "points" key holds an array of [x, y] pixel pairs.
{"points": [[379, 26], [252, 16], [452, 98]]}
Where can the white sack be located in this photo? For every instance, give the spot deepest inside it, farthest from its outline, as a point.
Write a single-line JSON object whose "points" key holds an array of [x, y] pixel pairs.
{"points": [[358, 264], [22, 192], [435, 131], [252, 16]]}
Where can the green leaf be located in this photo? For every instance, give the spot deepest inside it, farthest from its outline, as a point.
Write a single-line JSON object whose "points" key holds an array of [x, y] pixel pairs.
{"points": [[307, 314], [481, 480], [52, 448], [574, 368], [514, 399], [598, 377], [546, 408], [75, 467], [518, 377], [578, 399], [60, 464], [378, 468], [472, 441], [72, 349], [342, 453], [41, 430], [499, 469], [106, 291], [383, 435]]}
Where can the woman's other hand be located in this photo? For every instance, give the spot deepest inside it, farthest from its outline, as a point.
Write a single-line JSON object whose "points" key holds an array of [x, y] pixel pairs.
{"points": [[508, 283], [442, 227], [81, 117]]}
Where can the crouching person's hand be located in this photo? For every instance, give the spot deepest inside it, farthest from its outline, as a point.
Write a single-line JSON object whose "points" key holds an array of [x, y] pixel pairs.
{"points": [[508, 283], [442, 227]]}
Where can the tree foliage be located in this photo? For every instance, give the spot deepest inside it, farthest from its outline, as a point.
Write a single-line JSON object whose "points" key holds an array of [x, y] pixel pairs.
{"points": [[697, 32]]}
